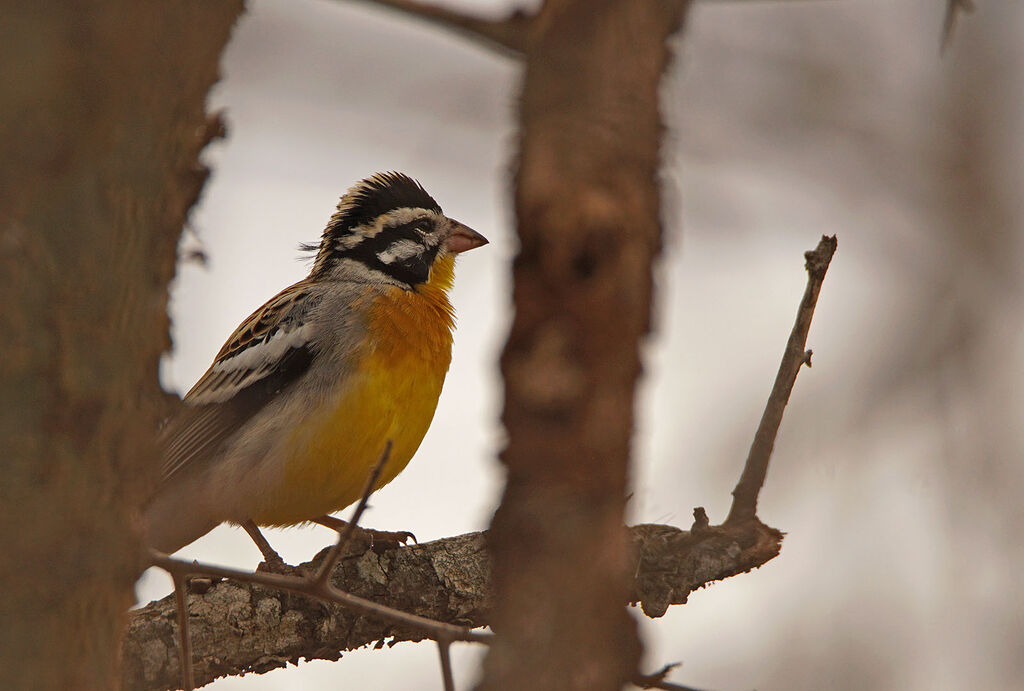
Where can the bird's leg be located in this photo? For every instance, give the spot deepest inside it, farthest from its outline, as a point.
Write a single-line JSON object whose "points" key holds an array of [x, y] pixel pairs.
{"points": [[270, 555], [379, 539]]}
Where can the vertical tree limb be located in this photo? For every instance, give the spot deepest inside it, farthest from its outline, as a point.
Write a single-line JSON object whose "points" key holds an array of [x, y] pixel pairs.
{"points": [[102, 119], [587, 208]]}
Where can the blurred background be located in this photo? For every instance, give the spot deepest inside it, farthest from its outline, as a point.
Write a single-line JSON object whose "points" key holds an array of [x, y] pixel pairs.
{"points": [[899, 464]]}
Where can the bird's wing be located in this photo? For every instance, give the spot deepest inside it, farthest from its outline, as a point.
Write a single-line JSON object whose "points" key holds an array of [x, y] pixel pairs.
{"points": [[269, 351]]}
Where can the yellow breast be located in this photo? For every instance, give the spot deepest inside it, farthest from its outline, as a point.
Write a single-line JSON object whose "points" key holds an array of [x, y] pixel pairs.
{"points": [[393, 396]]}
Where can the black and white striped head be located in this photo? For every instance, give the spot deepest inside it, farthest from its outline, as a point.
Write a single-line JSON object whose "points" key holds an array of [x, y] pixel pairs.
{"points": [[387, 229]]}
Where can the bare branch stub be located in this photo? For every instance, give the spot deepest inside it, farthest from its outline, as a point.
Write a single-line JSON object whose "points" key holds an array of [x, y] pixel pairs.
{"points": [[672, 563], [700, 520], [744, 505]]}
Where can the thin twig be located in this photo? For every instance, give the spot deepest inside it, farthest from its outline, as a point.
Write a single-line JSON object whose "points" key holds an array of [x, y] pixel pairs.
{"points": [[325, 592], [188, 679], [508, 35], [444, 649], [744, 503], [331, 560]]}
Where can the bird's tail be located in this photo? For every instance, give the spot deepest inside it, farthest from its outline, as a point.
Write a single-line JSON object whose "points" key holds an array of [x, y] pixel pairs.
{"points": [[171, 521]]}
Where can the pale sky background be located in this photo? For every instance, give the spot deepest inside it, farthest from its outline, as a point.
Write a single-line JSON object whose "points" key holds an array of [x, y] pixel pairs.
{"points": [[897, 474]]}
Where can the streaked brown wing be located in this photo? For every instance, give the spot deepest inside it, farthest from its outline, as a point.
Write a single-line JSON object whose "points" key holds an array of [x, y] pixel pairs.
{"points": [[267, 353]]}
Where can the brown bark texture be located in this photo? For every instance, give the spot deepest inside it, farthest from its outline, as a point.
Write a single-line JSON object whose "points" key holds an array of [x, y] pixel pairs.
{"points": [[587, 212], [239, 628], [102, 120]]}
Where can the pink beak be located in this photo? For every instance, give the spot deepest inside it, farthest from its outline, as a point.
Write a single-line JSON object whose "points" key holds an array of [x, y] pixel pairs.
{"points": [[463, 238]]}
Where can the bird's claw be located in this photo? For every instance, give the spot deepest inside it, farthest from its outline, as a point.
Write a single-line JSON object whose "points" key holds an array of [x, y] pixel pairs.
{"points": [[385, 540], [278, 566]]}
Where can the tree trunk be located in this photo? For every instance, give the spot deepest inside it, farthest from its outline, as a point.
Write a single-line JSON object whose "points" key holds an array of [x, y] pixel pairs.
{"points": [[101, 122], [587, 207]]}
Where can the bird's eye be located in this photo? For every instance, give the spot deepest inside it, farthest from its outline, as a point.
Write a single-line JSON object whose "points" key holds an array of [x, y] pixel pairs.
{"points": [[423, 227]]}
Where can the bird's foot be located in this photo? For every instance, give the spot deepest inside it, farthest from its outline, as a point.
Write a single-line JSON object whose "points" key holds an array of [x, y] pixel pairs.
{"points": [[272, 561], [378, 540], [384, 540], [272, 565]]}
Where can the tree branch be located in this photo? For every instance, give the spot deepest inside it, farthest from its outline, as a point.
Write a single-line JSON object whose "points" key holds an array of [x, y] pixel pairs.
{"points": [[258, 622], [744, 505], [103, 122], [246, 627], [588, 217], [509, 35]]}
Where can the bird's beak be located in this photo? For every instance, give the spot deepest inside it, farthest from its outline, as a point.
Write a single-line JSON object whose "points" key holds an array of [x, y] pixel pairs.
{"points": [[463, 238]]}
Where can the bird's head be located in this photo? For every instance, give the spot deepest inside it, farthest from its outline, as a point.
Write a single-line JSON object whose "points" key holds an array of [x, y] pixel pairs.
{"points": [[387, 229]]}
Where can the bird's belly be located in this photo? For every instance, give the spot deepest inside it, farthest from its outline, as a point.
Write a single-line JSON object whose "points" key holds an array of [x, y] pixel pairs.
{"points": [[330, 456]]}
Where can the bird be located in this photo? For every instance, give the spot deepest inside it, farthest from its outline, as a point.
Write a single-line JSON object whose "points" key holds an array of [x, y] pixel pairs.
{"points": [[329, 376]]}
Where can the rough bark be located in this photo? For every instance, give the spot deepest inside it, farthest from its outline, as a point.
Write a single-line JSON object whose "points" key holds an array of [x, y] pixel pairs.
{"points": [[238, 627], [101, 122], [587, 209]]}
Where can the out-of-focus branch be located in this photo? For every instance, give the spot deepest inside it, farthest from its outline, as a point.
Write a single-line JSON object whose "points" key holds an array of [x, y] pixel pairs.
{"points": [[744, 504], [512, 34], [659, 680], [506, 35], [102, 122], [255, 627], [588, 222], [953, 10]]}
